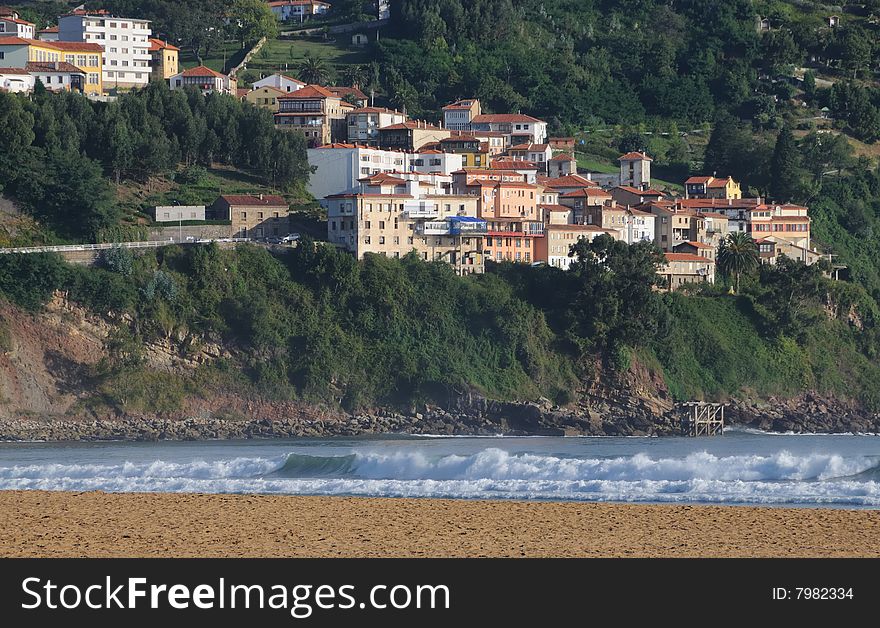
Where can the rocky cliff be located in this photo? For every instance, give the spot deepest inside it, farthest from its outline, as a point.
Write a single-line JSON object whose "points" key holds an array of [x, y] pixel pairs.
{"points": [[48, 363]]}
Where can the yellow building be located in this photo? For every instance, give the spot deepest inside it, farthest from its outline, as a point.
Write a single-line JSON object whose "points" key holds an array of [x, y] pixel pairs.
{"points": [[87, 56], [164, 60], [265, 97], [712, 187], [474, 153]]}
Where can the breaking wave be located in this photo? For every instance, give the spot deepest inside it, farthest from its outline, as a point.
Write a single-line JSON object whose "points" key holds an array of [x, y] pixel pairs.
{"points": [[780, 478]]}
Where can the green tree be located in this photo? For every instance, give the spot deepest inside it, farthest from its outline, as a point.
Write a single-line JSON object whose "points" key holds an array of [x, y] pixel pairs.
{"points": [[785, 173], [253, 20], [809, 85], [855, 54], [737, 255], [314, 70], [354, 75]]}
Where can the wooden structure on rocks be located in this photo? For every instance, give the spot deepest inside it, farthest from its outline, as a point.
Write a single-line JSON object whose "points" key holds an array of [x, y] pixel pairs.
{"points": [[700, 418]]}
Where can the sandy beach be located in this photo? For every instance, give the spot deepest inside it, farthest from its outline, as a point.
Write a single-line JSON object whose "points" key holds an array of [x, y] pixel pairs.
{"points": [[95, 524]]}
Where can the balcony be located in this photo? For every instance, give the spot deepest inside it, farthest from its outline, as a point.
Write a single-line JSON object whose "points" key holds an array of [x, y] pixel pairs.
{"points": [[421, 210], [439, 227]]}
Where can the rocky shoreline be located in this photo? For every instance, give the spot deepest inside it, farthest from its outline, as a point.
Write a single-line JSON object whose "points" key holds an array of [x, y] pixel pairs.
{"points": [[471, 417]]}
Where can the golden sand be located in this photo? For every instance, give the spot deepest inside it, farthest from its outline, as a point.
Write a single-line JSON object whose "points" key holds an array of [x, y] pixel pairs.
{"points": [[168, 525]]}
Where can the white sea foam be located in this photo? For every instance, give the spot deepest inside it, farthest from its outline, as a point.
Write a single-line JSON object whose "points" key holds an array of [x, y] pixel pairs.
{"points": [[780, 478]]}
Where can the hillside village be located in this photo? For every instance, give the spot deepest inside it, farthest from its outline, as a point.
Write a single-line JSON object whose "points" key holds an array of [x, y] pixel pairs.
{"points": [[467, 189]]}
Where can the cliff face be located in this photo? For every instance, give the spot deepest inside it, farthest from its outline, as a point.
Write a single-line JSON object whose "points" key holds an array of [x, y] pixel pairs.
{"points": [[47, 373]]}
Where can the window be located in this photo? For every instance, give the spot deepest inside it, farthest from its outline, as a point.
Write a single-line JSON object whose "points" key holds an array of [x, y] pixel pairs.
{"points": [[260, 215], [367, 224], [93, 79], [166, 215], [112, 37], [2, 55], [382, 224], [366, 239]]}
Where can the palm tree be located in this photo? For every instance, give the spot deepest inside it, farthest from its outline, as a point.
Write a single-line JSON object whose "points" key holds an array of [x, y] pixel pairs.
{"points": [[354, 75], [737, 254], [314, 70]]}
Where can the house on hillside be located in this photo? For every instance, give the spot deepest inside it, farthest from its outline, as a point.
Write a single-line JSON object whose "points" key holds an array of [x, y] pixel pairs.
{"points": [[280, 81], [712, 187], [562, 165], [351, 95], [11, 25], [363, 124], [635, 170], [458, 116], [681, 269], [253, 216], [164, 59], [315, 111], [298, 10], [205, 80], [265, 97], [411, 135]]}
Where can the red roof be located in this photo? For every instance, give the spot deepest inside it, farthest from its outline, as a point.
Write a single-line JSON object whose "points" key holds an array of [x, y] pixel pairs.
{"points": [[51, 29], [687, 257], [51, 67], [248, 200], [697, 180], [13, 71], [19, 41], [375, 110], [342, 92], [310, 91], [202, 71], [698, 245], [460, 104], [15, 20], [411, 124], [512, 164], [158, 44], [586, 192], [381, 177], [634, 156], [72, 46], [719, 183], [568, 181], [460, 138], [502, 118], [563, 157], [540, 148]]}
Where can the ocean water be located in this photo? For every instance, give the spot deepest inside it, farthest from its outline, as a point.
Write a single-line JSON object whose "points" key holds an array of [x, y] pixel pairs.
{"points": [[740, 467]]}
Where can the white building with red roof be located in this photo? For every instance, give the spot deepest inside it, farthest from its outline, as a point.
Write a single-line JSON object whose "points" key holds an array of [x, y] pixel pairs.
{"points": [[363, 123], [280, 81], [298, 10], [457, 116], [517, 128], [11, 25], [205, 80], [635, 170]]}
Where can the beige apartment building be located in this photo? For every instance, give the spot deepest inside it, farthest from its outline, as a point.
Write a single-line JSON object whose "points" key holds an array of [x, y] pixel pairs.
{"points": [[315, 111], [439, 227]]}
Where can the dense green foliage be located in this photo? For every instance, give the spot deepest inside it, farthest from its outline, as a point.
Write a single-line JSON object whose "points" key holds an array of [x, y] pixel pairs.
{"points": [[147, 132], [320, 326]]}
